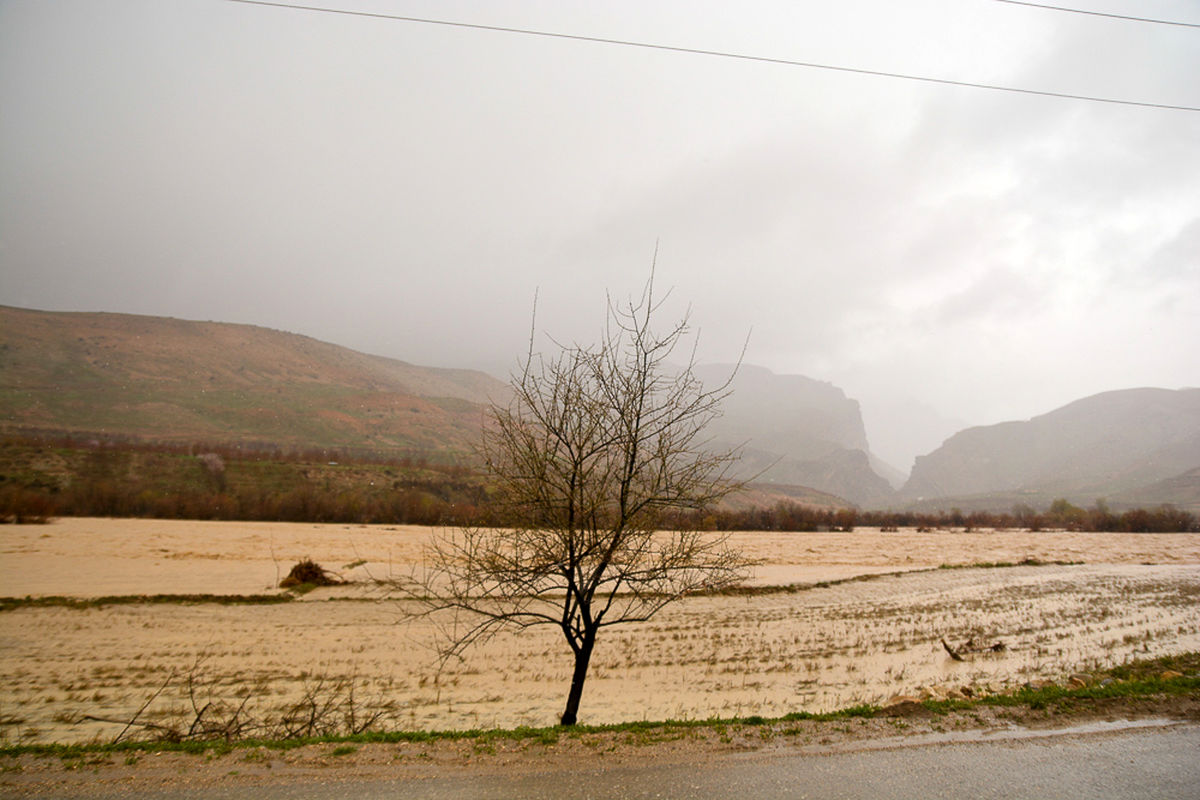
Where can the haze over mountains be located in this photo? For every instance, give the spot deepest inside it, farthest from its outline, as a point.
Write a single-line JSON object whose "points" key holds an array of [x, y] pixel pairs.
{"points": [[158, 378], [796, 430], [1120, 445]]}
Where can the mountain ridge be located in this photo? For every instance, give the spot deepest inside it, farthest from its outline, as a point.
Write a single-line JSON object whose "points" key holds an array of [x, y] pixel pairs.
{"points": [[792, 429], [174, 379], [160, 378], [1107, 444]]}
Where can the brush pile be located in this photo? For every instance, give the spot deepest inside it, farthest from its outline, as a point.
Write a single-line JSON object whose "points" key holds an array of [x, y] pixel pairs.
{"points": [[309, 573]]}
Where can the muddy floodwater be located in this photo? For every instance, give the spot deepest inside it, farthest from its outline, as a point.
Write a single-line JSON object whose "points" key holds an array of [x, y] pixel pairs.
{"points": [[790, 646]]}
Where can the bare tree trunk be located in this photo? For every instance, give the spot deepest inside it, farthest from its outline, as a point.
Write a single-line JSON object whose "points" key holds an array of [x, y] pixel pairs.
{"points": [[582, 657]]}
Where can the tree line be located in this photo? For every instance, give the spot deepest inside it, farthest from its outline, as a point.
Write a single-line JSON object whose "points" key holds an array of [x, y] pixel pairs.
{"points": [[1060, 515], [170, 480], [450, 464], [423, 489]]}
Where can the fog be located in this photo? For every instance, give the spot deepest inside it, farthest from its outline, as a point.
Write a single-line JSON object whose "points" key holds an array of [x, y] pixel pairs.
{"points": [[947, 255]]}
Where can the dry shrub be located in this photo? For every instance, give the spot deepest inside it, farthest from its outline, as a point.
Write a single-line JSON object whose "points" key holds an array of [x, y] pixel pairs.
{"points": [[24, 507], [309, 573], [328, 706]]}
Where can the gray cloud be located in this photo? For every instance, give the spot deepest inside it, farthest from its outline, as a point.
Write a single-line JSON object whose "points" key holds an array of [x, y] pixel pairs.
{"points": [[406, 189]]}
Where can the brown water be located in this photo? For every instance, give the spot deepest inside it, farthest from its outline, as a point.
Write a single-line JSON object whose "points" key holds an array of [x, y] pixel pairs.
{"points": [[768, 654]]}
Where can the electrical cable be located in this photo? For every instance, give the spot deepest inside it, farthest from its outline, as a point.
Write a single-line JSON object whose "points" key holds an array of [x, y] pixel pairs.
{"points": [[718, 54], [1102, 14]]}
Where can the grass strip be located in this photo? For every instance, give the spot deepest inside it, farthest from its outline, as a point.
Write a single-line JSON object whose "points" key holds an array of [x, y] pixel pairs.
{"points": [[796, 588], [13, 603], [1177, 675], [1025, 562]]}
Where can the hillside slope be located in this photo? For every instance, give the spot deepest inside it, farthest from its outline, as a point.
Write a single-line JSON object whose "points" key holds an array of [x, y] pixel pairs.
{"points": [[796, 430], [151, 378], [1110, 444], [159, 378]]}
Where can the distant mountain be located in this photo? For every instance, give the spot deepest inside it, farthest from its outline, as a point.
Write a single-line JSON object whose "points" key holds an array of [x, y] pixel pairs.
{"points": [[796, 430], [170, 379], [1130, 445], [1181, 490], [155, 378]]}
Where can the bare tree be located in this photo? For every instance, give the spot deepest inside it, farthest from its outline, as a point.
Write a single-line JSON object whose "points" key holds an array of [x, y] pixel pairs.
{"points": [[597, 446]]}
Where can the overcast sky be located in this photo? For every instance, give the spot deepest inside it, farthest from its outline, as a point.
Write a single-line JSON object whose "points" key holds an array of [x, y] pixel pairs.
{"points": [[405, 188]]}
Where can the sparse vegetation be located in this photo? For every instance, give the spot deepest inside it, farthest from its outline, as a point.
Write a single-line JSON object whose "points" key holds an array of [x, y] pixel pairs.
{"points": [[48, 601], [1060, 515], [1168, 677], [62, 476], [46, 476], [24, 506]]}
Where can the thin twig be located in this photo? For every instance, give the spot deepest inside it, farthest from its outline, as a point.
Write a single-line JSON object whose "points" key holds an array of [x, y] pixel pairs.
{"points": [[145, 705]]}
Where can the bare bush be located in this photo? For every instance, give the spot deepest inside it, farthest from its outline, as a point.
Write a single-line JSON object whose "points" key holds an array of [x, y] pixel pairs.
{"points": [[309, 573], [327, 707]]}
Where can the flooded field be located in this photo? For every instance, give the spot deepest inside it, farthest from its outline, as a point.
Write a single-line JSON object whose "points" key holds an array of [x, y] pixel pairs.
{"points": [[787, 647]]}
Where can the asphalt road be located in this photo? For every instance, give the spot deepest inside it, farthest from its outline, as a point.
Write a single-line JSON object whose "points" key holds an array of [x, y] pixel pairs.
{"points": [[1158, 762]]}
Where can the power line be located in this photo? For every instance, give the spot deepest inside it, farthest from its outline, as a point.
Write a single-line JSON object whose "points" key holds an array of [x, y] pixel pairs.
{"points": [[717, 54], [1102, 14]]}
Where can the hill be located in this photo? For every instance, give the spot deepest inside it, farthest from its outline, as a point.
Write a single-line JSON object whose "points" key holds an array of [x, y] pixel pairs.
{"points": [[121, 377], [796, 430], [1137, 446], [174, 380], [1181, 490]]}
